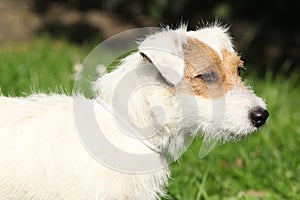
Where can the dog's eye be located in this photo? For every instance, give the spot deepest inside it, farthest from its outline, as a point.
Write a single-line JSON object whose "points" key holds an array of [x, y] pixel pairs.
{"points": [[210, 77]]}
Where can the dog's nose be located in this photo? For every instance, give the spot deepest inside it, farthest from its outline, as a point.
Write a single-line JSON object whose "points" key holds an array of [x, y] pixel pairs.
{"points": [[258, 116]]}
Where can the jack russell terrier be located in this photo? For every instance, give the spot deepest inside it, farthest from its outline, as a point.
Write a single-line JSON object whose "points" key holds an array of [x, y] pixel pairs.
{"points": [[188, 84]]}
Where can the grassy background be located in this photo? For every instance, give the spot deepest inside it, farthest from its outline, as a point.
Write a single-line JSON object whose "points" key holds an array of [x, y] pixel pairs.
{"points": [[266, 165], [42, 65]]}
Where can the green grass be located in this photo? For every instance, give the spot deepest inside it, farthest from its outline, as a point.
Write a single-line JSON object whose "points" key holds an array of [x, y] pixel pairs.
{"points": [[265, 165], [41, 65]]}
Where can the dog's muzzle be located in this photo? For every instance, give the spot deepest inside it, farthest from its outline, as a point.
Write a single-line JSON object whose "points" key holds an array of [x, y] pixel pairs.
{"points": [[258, 116]]}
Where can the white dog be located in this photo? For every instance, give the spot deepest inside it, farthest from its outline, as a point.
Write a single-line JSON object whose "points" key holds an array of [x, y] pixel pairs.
{"points": [[192, 85]]}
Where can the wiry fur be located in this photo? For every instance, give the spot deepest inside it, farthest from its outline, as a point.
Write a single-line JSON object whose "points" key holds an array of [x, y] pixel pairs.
{"points": [[41, 155]]}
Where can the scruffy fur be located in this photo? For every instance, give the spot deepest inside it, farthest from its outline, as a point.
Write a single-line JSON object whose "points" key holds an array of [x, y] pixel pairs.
{"points": [[41, 155]]}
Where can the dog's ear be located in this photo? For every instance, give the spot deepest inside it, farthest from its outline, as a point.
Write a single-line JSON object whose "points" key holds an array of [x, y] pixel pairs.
{"points": [[165, 51]]}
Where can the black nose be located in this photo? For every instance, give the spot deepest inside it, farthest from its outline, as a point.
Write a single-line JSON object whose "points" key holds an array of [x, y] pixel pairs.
{"points": [[258, 116]]}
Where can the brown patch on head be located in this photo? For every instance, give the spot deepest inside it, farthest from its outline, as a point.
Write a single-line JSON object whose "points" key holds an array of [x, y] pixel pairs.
{"points": [[206, 73]]}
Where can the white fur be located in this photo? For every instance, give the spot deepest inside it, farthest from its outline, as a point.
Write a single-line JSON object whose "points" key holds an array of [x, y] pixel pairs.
{"points": [[41, 155], [215, 36], [165, 50]]}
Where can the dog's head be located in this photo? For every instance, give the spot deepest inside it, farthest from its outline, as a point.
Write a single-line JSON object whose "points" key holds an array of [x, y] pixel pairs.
{"points": [[204, 64], [181, 83]]}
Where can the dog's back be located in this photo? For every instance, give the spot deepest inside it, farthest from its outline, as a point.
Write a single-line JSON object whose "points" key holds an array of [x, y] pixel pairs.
{"points": [[42, 156], [32, 146]]}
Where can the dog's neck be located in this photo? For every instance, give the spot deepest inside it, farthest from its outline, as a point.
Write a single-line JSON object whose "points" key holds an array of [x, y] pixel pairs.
{"points": [[140, 95]]}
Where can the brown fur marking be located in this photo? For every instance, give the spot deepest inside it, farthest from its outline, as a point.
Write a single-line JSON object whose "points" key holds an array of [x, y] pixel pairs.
{"points": [[201, 59]]}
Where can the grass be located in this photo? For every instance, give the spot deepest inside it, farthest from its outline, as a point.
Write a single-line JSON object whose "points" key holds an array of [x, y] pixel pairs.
{"points": [[266, 165], [42, 65]]}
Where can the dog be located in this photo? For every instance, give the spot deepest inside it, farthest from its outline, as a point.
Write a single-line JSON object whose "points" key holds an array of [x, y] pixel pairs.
{"points": [[186, 83]]}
